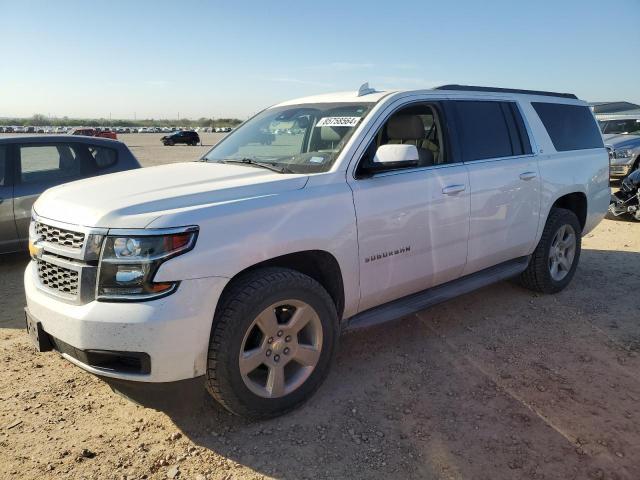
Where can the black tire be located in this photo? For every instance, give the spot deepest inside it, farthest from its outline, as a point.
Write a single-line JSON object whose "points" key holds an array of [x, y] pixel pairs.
{"points": [[538, 276], [241, 303]]}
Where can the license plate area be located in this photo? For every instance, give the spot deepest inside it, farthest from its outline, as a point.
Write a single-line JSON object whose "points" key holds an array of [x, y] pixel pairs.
{"points": [[37, 335]]}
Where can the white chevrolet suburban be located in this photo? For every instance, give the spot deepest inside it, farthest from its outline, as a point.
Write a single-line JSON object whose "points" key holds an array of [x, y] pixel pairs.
{"points": [[315, 216]]}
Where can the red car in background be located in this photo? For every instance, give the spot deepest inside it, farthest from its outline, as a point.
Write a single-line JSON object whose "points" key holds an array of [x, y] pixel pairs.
{"points": [[92, 132]]}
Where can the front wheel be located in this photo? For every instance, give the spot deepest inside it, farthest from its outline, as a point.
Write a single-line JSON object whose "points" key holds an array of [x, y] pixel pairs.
{"points": [[273, 340], [555, 259]]}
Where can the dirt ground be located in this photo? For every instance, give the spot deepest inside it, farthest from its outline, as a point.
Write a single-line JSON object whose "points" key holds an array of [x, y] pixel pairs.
{"points": [[497, 384], [149, 150]]}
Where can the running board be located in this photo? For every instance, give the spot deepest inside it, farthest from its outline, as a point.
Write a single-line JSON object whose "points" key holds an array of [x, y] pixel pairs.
{"points": [[418, 301]]}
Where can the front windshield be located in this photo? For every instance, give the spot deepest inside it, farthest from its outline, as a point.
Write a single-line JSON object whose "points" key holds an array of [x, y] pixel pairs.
{"points": [[621, 127], [295, 138]]}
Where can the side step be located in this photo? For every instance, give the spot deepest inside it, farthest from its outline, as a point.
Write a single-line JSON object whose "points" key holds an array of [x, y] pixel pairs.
{"points": [[418, 301]]}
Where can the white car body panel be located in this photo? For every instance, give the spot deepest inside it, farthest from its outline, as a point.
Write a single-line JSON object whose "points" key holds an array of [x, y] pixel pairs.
{"points": [[406, 212], [247, 215], [505, 210], [134, 201]]}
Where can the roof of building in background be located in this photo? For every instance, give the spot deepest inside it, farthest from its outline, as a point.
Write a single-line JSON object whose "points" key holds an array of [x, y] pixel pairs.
{"points": [[613, 107]]}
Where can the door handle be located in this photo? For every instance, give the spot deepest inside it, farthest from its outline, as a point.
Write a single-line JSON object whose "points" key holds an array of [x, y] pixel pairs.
{"points": [[453, 189], [528, 176]]}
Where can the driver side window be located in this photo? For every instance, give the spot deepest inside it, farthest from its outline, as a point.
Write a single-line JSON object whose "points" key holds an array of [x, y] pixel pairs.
{"points": [[417, 124]]}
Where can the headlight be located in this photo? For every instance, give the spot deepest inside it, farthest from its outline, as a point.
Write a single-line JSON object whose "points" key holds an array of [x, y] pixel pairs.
{"points": [[130, 260], [622, 153]]}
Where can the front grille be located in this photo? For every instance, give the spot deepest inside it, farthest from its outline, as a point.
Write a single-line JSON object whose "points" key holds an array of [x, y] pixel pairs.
{"points": [[57, 278], [59, 236]]}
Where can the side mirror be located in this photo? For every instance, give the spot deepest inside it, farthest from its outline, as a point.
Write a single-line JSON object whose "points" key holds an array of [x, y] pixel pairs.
{"points": [[389, 154], [390, 157]]}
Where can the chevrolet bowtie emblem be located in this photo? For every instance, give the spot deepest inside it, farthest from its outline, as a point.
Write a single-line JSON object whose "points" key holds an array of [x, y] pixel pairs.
{"points": [[35, 250]]}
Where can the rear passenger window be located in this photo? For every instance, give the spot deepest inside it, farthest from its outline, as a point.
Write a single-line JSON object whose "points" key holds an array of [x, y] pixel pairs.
{"points": [[570, 127], [103, 156], [483, 130]]}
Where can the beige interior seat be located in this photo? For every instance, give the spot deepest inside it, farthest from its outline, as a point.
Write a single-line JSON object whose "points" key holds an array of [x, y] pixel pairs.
{"points": [[409, 128], [329, 139]]}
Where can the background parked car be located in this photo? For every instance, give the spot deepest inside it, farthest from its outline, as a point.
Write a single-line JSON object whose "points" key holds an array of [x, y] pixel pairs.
{"points": [[30, 165], [188, 137], [622, 137], [92, 132]]}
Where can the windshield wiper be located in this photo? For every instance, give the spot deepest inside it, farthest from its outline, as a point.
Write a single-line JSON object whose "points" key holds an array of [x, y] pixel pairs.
{"points": [[251, 161]]}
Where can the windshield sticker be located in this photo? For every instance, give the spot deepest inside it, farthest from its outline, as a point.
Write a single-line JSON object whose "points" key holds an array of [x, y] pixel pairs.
{"points": [[338, 122], [316, 159]]}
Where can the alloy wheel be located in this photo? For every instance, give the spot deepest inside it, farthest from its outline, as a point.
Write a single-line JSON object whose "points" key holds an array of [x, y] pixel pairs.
{"points": [[281, 348], [562, 252]]}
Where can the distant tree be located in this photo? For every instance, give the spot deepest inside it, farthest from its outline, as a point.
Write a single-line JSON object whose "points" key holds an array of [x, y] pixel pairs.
{"points": [[38, 120]]}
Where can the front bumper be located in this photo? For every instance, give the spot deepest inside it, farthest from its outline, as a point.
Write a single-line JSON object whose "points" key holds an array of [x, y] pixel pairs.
{"points": [[173, 331]]}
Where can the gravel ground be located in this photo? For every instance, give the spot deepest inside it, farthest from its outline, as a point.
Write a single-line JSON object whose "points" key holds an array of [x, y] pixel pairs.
{"points": [[497, 384]]}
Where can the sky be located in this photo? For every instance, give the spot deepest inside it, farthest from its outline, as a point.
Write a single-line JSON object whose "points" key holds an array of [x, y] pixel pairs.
{"points": [[191, 58]]}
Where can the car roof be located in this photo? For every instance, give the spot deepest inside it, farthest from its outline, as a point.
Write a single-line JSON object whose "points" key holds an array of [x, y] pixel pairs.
{"points": [[451, 91], [64, 138]]}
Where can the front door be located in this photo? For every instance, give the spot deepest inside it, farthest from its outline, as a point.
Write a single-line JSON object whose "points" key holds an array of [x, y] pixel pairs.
{"points": [[42, 166], [413, 223], [8, 234]]}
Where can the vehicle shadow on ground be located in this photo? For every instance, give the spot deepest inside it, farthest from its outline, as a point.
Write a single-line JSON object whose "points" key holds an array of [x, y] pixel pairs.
{"points": [[462, 390], [12, 300]]}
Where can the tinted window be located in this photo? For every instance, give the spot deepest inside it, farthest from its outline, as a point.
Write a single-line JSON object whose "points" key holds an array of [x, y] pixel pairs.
{"points": [[483, 130], [622, 126], [3, 164], [104, 157], [39, 163], [571, 127]]}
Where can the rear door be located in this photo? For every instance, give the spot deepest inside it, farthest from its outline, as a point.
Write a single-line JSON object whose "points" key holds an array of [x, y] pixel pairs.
{"points": [[40, 166], [8, 234], [504, 181]]}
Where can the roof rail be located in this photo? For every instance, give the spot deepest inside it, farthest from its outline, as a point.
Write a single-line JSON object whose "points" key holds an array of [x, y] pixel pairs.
{"points": [[473, 88]]}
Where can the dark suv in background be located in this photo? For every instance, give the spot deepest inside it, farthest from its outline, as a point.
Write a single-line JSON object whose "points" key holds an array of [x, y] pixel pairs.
{"points": [[30, 165], [188, 137]]}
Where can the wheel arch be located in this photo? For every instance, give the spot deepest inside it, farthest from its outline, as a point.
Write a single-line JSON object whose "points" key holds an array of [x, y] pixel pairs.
{"points": [[320, 265], [576, 202]]}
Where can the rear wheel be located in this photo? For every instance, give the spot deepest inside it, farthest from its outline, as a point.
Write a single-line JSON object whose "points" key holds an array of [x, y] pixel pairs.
{"points": [[555, 259], [273, 339]]}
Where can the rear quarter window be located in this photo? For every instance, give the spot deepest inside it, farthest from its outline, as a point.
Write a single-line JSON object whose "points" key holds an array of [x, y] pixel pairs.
{"points": [[570, 127]]}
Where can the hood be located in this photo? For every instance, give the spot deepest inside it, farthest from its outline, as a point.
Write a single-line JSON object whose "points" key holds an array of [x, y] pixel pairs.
{"points": [[135, 198], [622, 141]]}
